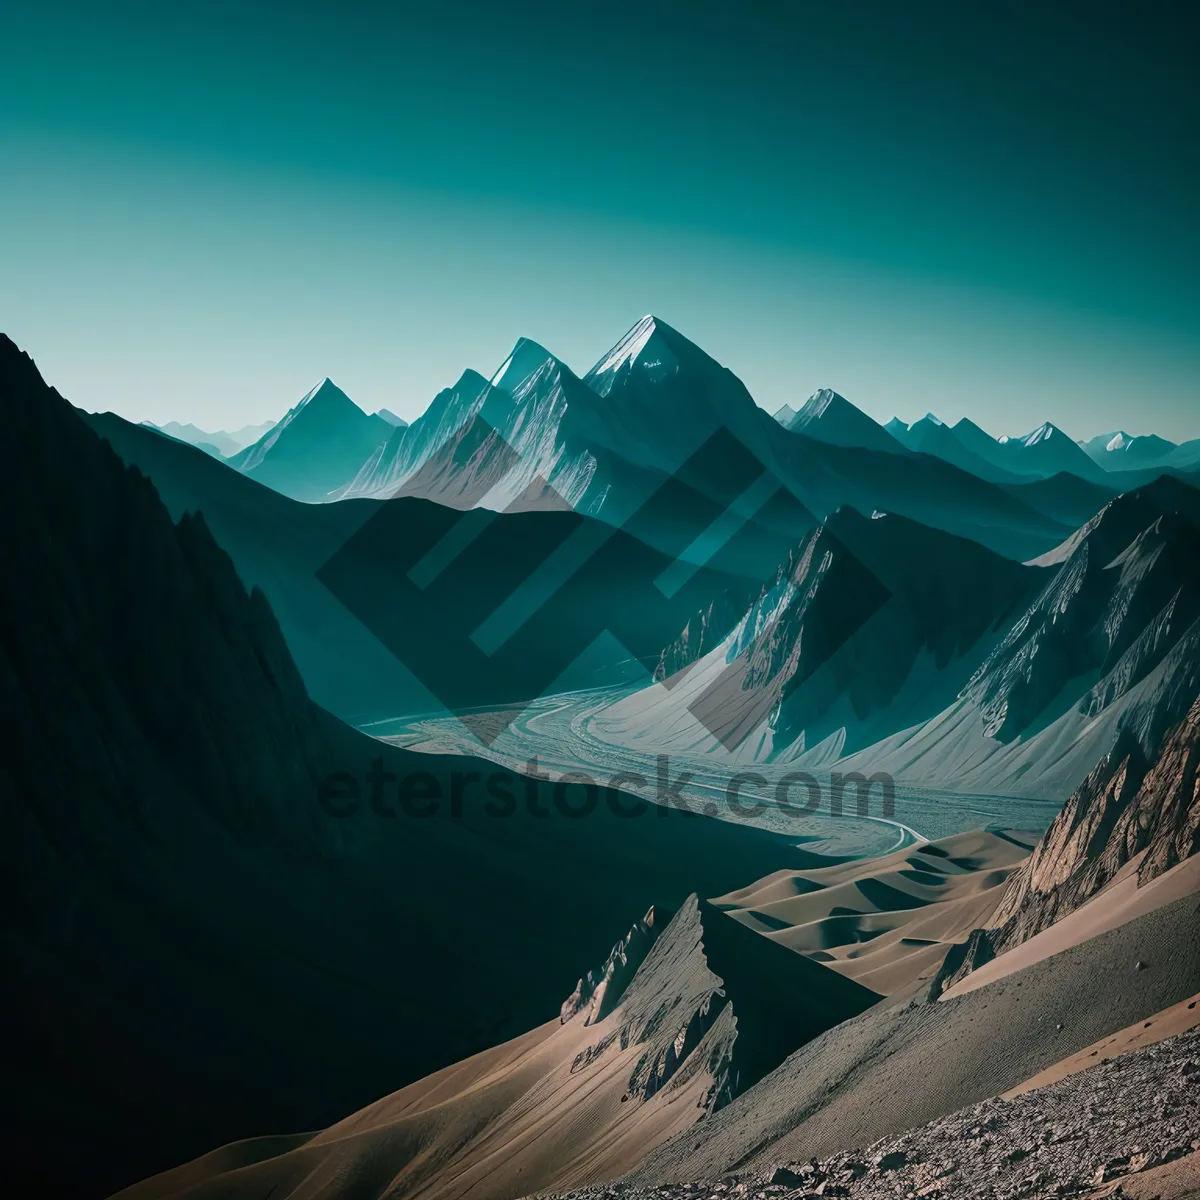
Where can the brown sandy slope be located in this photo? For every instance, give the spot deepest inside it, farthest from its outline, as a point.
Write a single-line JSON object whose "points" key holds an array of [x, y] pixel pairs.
{"points": [[1179, 1018], [1109, 1127], [886, 922], [710, 1009], [894, 1069], [1179, 1180], [1119, 902]]}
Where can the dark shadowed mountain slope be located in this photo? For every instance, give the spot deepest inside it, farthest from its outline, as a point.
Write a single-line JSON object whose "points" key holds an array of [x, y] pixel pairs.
{"points": [[316, 448], [1063, 497], [194, 948], [872, 625], [282, 546]]}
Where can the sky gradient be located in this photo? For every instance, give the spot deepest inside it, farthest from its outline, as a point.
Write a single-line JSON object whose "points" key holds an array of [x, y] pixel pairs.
{"points": [[980, 211]]}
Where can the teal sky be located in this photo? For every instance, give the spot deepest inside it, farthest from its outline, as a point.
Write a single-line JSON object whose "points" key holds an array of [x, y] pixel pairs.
{"points": [[206, 208]]}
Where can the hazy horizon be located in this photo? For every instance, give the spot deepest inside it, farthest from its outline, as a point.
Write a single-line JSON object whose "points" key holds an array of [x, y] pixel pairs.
{"points": [[981, 214]]}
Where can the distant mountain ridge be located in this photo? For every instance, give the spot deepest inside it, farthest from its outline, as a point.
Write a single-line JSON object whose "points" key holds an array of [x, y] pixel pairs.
{"points": [[830, 417], [536, 435], [318, 445], [225, 444]]}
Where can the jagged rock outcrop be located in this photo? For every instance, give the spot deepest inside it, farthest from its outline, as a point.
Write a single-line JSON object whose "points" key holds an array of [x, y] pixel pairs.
{"points": [[1125, 807], [1125, 591], [600, 990], [961, 959], [703, 632], [713, 996]]}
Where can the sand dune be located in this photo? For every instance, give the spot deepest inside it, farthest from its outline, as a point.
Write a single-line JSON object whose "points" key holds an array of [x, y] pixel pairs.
{"points": [[885, 922]]}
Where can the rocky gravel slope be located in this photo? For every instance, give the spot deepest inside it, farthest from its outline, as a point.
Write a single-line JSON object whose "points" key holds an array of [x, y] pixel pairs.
{"points": [[1122, 1118]]}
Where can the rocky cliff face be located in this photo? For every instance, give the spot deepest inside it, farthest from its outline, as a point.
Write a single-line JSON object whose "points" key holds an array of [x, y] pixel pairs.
{"points": [[1124, 808], [600, 990], [1125, 592], [1127, 806], [709, 996], [835, 637]]}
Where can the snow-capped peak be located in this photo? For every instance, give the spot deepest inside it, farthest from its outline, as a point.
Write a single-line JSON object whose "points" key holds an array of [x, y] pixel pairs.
{"points": [[526, 358], [822, 400], [644, 345], [1041, 434], [1118, 441]]}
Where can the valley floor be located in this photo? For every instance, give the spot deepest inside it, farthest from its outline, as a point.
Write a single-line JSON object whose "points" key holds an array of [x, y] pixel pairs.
{"points": [[559, 732]]}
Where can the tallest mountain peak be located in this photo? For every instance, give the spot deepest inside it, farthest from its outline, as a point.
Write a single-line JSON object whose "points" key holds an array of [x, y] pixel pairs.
{"points": [[326, 394], [645, 344], [650, 347]]}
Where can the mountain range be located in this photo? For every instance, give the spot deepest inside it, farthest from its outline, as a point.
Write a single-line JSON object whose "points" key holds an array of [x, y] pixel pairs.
{"points": [[953, 530], [227, 920], [184, 913]]}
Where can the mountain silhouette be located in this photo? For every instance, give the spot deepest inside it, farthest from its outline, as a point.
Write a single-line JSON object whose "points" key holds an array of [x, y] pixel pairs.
{"points": [[317, 446]]}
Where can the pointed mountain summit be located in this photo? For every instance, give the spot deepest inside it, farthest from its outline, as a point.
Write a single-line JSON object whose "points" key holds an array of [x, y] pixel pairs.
{"points": [[317, 448], [408, 446], [976, 439], [527, 357], [663, 397], [785, 414], [829, 417], [1045, 452], [390, 417], [651, 347], [1120, 451]]}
